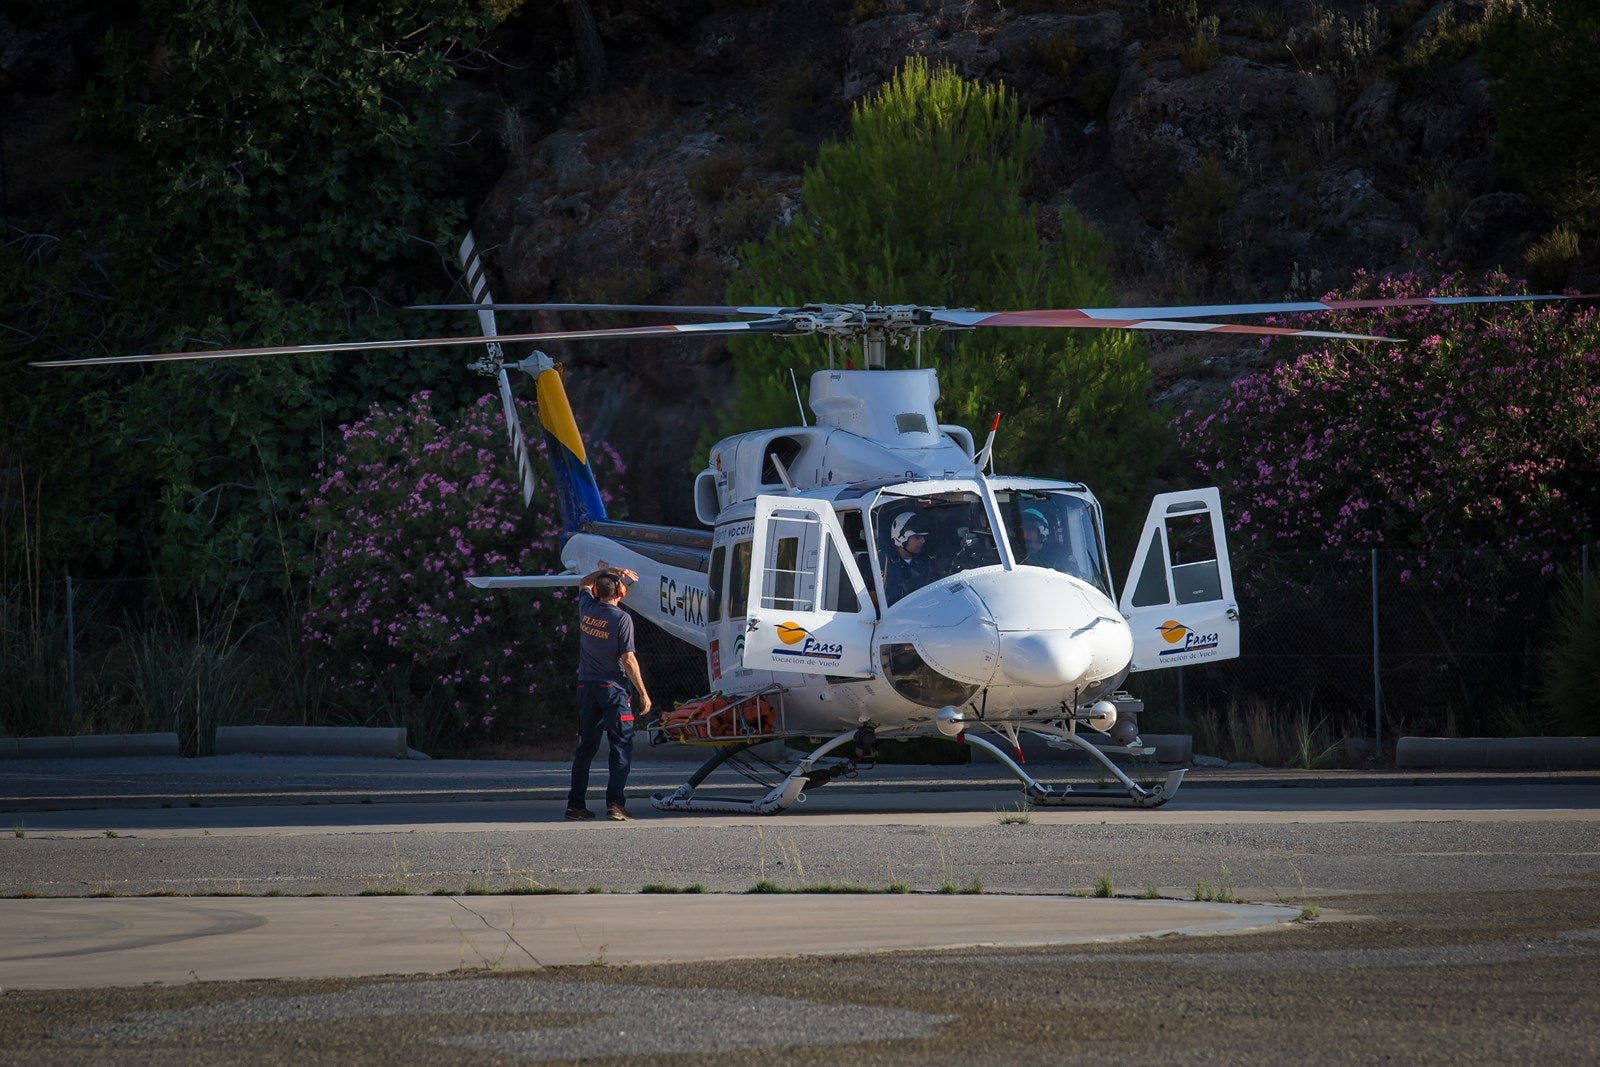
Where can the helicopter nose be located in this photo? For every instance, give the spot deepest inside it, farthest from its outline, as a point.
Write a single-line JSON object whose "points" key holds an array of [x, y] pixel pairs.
{"points": [[1049, 658], [1053, 631]]}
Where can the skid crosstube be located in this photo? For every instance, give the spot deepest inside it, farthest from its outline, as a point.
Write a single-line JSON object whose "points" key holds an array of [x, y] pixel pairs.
{"points": [[777, 799], [1130, 795], [782, 796]]}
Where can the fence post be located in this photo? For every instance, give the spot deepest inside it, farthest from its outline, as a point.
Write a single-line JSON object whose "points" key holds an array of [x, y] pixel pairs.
{"points": [[72, 659], [1377, 685]]}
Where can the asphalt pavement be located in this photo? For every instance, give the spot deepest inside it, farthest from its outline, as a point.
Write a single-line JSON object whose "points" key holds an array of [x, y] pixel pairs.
{"points": [[286, 909]]}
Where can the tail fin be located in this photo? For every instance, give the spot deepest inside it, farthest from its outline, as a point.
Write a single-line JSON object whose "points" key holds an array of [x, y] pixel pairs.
{"points": [[576, 491]]}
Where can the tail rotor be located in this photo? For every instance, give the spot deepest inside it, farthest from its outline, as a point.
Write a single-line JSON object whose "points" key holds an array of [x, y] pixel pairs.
{"points": [[478, 286]]}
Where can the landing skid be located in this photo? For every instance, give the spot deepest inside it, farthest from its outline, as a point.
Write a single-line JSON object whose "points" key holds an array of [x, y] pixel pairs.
{"points": [[779, 798], [1130, 795]]}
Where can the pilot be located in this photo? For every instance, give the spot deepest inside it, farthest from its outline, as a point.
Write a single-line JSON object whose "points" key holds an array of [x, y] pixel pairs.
{"points": [[1040, 550], [907, 568]]}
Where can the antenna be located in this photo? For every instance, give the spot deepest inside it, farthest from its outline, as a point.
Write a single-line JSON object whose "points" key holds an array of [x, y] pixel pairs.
{"points": [[796, 383], [985, 456]]}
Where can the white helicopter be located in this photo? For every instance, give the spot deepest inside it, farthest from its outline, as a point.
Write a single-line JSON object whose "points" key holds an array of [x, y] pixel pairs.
{"points": [[868, 575]]}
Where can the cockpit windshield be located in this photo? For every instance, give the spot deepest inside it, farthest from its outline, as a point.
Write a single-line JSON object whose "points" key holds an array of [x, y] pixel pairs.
{"points": [[1056, 529], [921, 539]]}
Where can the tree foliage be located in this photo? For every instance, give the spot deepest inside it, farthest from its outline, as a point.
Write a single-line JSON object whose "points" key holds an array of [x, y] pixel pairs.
{"points": [[263, 158], [1571, 689], [923, 204], [1547, 56], [1482, 431], [412, 504]]}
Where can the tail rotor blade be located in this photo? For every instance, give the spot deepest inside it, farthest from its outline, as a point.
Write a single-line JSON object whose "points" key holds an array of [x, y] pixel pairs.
{"points": [[478, 285], [519, 443]]}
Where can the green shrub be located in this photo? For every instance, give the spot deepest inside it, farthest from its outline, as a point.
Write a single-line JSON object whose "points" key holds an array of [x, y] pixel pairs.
{"points": [[1200, 53], [715, 178], [1571, 688], [188, 683], [1547, 56], [1198, 206], [1550, 259]]}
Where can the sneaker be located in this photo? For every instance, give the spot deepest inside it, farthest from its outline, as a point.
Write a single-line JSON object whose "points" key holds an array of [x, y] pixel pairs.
{"points": [[617, 813], [579, 814]]}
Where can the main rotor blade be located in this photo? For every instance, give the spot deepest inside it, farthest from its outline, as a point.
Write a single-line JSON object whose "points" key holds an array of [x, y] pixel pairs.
{"points": [[1207, 311], [524, 581], [1077, 320], [773, 326], [666, 309]]}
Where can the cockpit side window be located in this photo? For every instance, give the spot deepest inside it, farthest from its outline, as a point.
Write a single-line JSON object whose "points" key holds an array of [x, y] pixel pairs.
{"points": [[718, 558], [838, 595], [739, 579]]}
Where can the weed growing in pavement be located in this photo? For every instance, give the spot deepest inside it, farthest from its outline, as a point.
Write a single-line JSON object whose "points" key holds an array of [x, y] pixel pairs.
{"points": [[1306, 906], [1022, 816], [1150, 893], [485, 962], [1105, 887], [972, 888], [768, 886], [657, 887], [19, 830], [1220, 893]]}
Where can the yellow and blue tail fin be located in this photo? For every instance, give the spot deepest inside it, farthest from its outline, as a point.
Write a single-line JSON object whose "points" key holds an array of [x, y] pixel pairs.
{"points": [[576, 492], [575, 486]]}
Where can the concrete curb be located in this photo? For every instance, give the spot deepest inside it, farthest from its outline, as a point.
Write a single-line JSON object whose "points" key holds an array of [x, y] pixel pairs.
{"points": [[381, 741], [93, 746], [1512, 753]]}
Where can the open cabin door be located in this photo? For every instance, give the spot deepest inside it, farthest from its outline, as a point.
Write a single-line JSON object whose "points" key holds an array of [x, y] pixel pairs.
{"points": [[808, 610], [1179, 595]]}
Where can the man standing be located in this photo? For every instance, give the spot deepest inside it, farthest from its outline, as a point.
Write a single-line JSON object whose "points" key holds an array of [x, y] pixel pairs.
{"points": [[606, 667]]}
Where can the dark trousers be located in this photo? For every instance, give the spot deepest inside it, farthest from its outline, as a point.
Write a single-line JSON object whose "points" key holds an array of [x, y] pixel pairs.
{"points": [[603, 708]]}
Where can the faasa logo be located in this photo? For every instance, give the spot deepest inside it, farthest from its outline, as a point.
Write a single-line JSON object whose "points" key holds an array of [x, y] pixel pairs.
{"points": [[1172, 632], [792, 633]]}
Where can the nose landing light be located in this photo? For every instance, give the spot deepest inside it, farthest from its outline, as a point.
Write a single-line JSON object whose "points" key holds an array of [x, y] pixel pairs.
{"points": [[950, 721], [1103, 716]]}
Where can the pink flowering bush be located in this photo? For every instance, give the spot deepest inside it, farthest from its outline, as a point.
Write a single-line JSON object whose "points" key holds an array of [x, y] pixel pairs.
{"points": [[1468, 456], [410, 507], [1481, 430]]}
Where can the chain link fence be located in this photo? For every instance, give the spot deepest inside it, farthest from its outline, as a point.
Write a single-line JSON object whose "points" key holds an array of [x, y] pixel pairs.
{"points": [[115, 656], [1449, 644], [1386, 645]]}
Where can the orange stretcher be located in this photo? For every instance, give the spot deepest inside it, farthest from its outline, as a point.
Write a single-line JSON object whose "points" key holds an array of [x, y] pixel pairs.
{"points": [[715, 718]]}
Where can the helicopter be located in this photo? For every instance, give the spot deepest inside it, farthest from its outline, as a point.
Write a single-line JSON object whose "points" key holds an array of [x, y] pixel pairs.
{"points": [[867, 575]]}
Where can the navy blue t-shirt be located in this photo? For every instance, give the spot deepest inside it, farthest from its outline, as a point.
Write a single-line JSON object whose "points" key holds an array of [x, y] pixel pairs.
{"points": [[605, 632]]}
